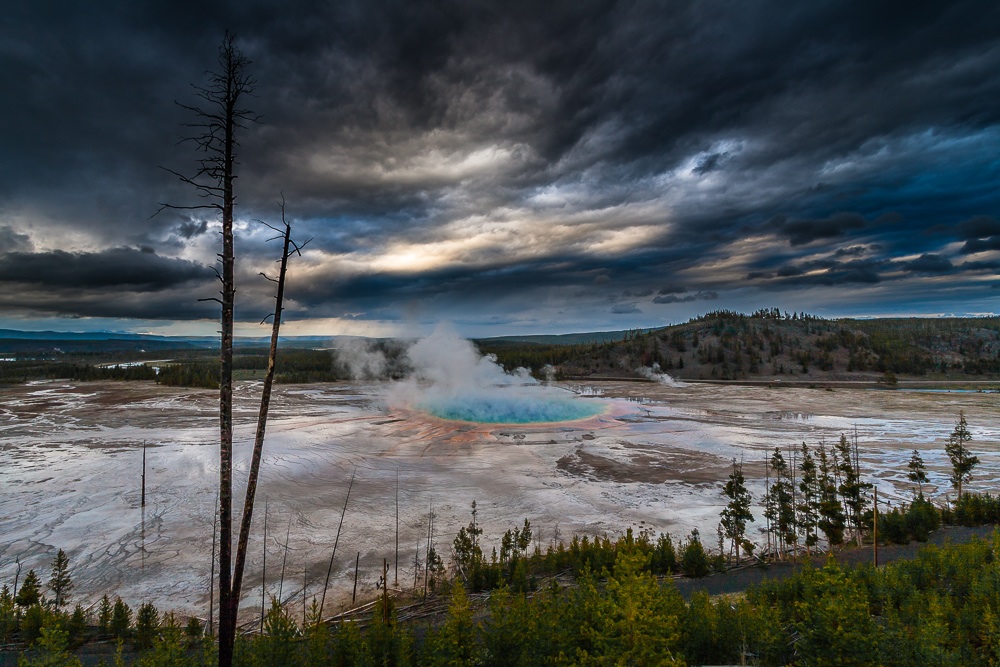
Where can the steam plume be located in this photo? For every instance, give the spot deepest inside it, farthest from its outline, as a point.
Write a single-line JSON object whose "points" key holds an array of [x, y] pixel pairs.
{"points": [[361, 359], [452, 380], [655, 374]]}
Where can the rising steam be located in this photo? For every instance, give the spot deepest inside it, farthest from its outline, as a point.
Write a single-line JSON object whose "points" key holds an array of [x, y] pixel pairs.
{"points": [[450, 379], [655, 374], [361, 359]]}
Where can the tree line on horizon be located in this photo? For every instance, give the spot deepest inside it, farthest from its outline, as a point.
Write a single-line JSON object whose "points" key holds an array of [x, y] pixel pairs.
{"points": [[717, 345]]}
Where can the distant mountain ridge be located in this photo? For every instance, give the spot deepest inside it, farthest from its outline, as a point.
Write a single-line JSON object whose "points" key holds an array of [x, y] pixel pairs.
{"points": [[16, 334], [16, 341]]}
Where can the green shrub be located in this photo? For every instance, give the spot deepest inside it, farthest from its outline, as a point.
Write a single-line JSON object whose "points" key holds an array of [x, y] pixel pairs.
{"points": [[921, 519], [32, 622]]}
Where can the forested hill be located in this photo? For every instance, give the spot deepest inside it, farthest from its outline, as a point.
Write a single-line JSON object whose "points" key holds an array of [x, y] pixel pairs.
{"points": [[771, 344]]}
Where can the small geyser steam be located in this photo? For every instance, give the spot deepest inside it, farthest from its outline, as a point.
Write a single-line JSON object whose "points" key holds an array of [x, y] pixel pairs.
{"points": [[656, 374], [452, 380]]}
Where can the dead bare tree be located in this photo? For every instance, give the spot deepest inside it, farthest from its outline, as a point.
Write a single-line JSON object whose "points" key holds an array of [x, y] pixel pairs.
{"points": [[329, 570], [289, 246], [214, 130], [284, 559], [211, 576]]}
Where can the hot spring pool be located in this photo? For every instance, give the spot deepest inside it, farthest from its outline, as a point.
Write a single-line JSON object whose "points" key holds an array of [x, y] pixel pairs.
{"points": [[516, 408]]}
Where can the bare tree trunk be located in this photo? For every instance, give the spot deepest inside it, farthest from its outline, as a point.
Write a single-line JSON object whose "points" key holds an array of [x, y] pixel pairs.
{"points": [[357, 564], [385, 590], [142, 502], [263, 572], [228, 605], [396, 561], [427, 551], [336, 541], [216, 125], [17, 574], [416, 566], [284, 559], [211, 578], [265, 403]]}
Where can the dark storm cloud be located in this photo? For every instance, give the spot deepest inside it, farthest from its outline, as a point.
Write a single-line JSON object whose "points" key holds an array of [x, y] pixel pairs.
{"points": [[12, 241], [979, 227], [849, 272], [166, 305], [192, 228], [826, 272], [658, 138], [704, 295], [852, 251], [832, 271], [801, 232], [134, 269], [928, 263], [982, 233], [788, 271], [625, 309], [981, 245]]}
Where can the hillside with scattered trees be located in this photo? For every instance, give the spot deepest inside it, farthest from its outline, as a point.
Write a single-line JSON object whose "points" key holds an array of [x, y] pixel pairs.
{"points": [[775, 345]]}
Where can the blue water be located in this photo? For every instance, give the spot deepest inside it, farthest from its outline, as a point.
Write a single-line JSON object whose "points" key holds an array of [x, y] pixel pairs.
{"points": [[512, 409]]}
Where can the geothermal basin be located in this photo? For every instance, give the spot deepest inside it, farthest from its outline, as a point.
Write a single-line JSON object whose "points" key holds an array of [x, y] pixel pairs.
{"points": [[599, 459]]}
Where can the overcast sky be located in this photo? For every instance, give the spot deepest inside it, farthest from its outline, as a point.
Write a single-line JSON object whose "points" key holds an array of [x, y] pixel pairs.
{"points": [[513, 167]]}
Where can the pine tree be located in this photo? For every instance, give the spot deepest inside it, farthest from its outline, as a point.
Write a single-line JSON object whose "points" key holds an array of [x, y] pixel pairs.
{"points": [[30, 592], [809, 505], [851, 487], [317, 638], [277, 646], [468, 557], [636, 622], [962, 460], [8, 615], [779, 505], [76, 626], [918, 472], [147, 623], [121, 619], [737, 513], [833, 623], [694, 561], [194, 630], [831, 512], [455, 643], [664, 556], [104, 615], [60, 582], [171, 648]]}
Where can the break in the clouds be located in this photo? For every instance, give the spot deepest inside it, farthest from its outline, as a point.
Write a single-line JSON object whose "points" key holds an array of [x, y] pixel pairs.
{"points": [[513, 167]]}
